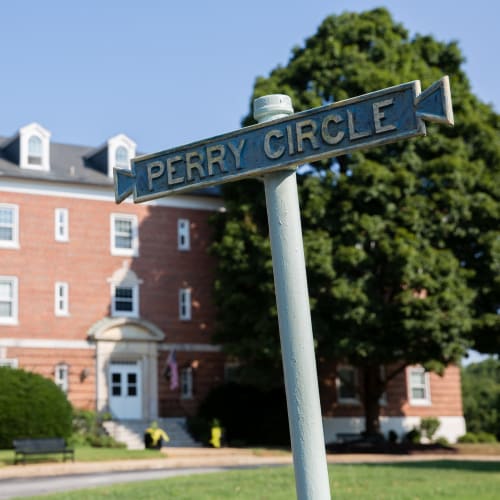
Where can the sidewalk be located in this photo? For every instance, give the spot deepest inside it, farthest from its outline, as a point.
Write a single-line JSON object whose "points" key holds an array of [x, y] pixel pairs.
{"points": [[176, 458]]}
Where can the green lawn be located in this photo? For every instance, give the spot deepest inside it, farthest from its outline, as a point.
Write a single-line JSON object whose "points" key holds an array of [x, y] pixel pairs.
{"points": [[444, 479]]}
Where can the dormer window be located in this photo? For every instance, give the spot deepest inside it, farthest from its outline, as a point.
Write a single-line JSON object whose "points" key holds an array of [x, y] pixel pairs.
{"points": [[120, 150], [35, 149]]}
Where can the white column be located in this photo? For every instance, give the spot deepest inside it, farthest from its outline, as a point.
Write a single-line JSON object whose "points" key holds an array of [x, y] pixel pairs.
{"points": [[297, 345]]}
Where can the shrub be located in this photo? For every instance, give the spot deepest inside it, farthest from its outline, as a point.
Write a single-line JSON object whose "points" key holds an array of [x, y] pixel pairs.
{"points": [[429, 427], [392, 436], [88, 429], [486, 437], [31, 406], [414, 436], [442, 441], [468, 437]]}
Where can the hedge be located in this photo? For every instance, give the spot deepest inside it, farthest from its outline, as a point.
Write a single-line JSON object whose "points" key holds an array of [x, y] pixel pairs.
{"points": [[31, 406]]}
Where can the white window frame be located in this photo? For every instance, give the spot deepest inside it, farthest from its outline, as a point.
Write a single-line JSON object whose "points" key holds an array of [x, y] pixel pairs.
{"points": [[134, 313], [9, 362], [35, 158], [14, 300], [61, 224], [61, 298], [185, 304], [414, 401], [347, 400], [186, 382], [61, 377], [14, 242], [183, 235], [133, 251]]}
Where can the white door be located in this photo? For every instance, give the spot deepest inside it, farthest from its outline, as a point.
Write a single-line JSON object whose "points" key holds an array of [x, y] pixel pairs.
{"points": [[125, 390]]}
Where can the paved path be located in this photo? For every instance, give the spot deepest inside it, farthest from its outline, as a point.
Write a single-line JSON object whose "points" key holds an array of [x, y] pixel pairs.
{"points": [[52, 477]]}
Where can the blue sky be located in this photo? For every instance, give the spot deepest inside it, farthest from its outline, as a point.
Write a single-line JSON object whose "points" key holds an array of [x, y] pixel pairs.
{"points": [[169, 73]]}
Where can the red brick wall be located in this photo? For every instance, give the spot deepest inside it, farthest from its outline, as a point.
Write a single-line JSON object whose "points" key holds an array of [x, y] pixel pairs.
{"points": [[446, 397], [86, 263]]}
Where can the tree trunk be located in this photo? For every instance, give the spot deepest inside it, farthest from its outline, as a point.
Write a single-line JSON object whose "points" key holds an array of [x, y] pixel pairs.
{"points": [[372, 390]]}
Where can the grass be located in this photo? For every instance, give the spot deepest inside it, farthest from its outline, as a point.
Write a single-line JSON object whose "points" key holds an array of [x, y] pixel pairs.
{"points": [[441, 479]]}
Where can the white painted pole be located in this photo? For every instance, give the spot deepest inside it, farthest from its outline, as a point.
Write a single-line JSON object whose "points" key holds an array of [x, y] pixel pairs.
{"points": [[294, 316]]}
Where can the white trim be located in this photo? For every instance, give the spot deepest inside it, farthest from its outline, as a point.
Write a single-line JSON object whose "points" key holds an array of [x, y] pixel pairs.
{"points": [[451, 428], [185, 304], [183, 235], [426, 400], [133, 251], [61, 224], [102, 193], [14, 242], [61, 298], [14, 300], [189, 347], [46, 344]]}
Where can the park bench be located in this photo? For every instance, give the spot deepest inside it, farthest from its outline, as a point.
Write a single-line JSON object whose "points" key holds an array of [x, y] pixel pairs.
{"points": [[41, 446]]}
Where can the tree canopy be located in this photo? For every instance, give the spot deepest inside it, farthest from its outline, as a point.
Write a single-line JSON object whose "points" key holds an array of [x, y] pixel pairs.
{"points": [[402, 242]]}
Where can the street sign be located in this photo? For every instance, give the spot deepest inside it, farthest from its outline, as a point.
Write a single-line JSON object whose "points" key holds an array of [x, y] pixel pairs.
{"points": [[373, 119]]}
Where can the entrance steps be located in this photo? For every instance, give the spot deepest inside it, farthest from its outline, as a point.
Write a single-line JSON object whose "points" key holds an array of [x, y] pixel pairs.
{"points": [[131, 432]]}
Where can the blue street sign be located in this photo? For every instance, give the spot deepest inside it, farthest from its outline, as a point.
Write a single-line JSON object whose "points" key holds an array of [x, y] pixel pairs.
{"points": [[373, 119]]}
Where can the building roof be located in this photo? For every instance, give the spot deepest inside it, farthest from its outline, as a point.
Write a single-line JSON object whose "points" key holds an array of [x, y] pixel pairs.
{"points": [[68, 164]]}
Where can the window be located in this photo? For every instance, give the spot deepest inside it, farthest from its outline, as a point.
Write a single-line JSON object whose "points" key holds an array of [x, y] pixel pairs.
{"points": [[8, 300], [125, 301], [61, 224], [61, 377], [418, 386], [35, 150], [183, 239], [347, 384], [61, 299], [383, 397], [124, 235], [9, 362], [185, 304], [187, 383], [9, 226], [121, 157]]}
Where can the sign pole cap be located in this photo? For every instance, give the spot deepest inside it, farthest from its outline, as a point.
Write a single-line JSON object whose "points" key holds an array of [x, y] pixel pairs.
{"points": [[271, 107]]}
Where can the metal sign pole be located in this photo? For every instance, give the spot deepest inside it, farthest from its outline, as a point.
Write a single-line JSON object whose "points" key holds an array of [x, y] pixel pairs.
{"points": [[299, 363]]}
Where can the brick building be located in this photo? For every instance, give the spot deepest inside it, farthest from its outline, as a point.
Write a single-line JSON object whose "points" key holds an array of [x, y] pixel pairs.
{"points": [[113, 302]]}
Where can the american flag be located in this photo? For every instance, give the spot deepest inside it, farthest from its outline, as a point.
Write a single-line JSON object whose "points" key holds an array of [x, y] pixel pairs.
{"points": [[173, 370]]}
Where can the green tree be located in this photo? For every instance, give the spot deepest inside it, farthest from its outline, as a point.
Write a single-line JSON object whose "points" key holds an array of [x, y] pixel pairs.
{"points": [[401, 241], [481, 396]]}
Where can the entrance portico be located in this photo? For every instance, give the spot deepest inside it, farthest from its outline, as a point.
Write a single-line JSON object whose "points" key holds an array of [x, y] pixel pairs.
{"points": [[127, 367]]}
